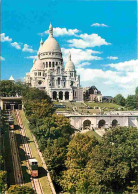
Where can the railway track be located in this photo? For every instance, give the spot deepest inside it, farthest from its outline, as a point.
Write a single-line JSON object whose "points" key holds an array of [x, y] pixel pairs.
{"points": [[35, 181], [18, 176]]}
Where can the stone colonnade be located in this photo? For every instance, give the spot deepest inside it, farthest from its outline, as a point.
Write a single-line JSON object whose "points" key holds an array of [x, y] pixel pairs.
{"points": [[82, 122], [62, 95]]}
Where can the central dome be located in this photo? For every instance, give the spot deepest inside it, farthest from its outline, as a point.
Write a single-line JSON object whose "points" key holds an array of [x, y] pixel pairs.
{"points": [[51, 45]]}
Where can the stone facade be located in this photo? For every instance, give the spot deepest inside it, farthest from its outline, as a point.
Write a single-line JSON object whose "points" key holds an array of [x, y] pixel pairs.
{"points": [[102, 121], [92, 94], [48, 72]]}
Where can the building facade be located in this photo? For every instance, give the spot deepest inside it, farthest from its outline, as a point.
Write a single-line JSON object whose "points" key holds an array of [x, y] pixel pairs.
{"points": [[92, 94], [48, 72]]}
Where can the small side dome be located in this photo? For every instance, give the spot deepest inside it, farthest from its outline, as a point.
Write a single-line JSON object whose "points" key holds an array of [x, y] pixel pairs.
{"points": [[41, 46], [11, 78], [69, 65], [38, 65]]}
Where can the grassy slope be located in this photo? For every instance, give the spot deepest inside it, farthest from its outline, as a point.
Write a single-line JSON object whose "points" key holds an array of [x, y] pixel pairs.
{"points": [[103, 105], [82, 108], [43, 178]]}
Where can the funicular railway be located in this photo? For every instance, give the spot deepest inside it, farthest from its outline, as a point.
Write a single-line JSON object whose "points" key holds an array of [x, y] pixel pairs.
{"points": [[33, 168], [8, 105], [8, 120]]}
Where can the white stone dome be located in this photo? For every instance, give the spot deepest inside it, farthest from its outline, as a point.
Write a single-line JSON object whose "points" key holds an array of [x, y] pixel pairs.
{"points": [[69, 65], [50, 45], [38, 65]]}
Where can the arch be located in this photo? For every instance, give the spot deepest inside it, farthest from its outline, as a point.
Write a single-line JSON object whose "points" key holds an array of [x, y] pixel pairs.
{"points": [[50, 64], [66, 95], [60, 95], [101, 123], [54, 95], [114, 123], [86, 124]]}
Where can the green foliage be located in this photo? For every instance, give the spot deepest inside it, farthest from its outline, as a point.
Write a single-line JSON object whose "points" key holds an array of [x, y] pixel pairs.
{"points": [[16, 189], [115, 159], [3, 181], [119, 99], [75, 178], [11, 88], [136, 91], [32, 94], [131, 101], [110, 166]]}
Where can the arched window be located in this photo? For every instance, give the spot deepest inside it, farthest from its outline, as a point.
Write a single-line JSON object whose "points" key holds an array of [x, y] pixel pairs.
{"points": [[114, 123], [54, 95], [86, 124], [101, 123], [49, 64], [53, 63], [66, 95], [60, 95], [46, 64]]}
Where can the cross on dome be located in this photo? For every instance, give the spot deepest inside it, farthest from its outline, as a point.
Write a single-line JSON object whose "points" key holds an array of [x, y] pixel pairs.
{"points": [[50, 30]]}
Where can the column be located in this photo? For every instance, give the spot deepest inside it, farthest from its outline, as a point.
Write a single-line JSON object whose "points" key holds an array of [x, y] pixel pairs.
{"points": [[57, 95], [12, 106], [63, 96], [70, 96]]}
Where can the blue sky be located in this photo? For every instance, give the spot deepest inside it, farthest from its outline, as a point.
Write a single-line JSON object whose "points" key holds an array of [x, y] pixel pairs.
{"points": [[101, 35]]}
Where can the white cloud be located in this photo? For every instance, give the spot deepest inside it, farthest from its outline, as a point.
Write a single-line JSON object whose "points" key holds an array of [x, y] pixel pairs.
{"points": [[62, 32], [88, 40], [99, 25], [124, 79], [28, 48], [4, 38], [129, 66], [112, 58], [80, 56], [2, 58], [31, 57], [16, 45]]}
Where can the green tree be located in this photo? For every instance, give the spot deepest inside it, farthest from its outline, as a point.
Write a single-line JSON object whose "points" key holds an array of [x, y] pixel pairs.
{"points": [[119, 99], [75, 178], [16, 189], [136, 91], [115, 160], [131, 101], [136, 94]]}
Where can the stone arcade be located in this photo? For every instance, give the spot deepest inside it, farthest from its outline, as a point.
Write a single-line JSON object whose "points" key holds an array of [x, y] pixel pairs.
{"points": [[48, 72]]}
